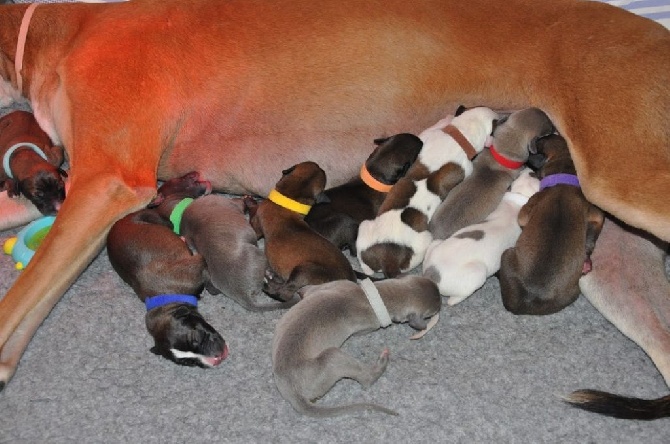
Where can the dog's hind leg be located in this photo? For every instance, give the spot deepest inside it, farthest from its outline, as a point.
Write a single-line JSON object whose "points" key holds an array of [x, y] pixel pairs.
{"points": [[95, 201], [629, 286]]}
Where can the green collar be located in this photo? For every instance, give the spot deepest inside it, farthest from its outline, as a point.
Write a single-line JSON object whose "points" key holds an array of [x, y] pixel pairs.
{"points": [[178, 212]]}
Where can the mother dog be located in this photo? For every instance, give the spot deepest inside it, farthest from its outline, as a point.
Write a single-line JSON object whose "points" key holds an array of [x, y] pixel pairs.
{"points": [[238, 89]]}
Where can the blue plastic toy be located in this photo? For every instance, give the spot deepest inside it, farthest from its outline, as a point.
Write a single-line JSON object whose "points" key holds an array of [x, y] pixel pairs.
{"points": [[23, 246]]}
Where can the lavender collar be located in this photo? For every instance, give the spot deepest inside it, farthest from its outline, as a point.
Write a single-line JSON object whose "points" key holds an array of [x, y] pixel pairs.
{"points": [[164, 299], [559, 179]]}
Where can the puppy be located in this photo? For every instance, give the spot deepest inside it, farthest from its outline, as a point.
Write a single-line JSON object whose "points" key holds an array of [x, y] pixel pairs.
{"points": [[396, 240], [31, 162], [359, 199], [216, 228], [540, 275], [297, 254], [493, 171], [461, 264], [158, 265], [306, 358]]}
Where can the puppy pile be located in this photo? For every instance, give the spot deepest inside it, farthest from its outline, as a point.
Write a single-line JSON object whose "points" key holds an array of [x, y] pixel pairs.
{"points": [[476, 194]]}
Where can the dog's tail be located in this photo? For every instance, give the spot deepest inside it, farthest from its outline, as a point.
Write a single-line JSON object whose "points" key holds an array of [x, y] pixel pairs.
{"points": [[322, 411], [620, 406]]}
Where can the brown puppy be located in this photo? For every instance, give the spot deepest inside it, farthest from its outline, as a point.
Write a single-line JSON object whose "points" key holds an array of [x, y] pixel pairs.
{"points": [[30, 162], [359, 199], [540, 274], [493, 171], [167, 104], [297, 254], [159, 266]]}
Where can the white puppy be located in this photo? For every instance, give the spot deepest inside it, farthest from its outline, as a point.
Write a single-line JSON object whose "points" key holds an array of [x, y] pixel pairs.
{"points": [[397, 239], [461, 264]]}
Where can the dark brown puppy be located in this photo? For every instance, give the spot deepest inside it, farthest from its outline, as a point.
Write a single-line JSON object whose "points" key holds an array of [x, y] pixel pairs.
{"points": [[31, 162], [359, 199], [540, 275], [297, 254], [167, 277]]}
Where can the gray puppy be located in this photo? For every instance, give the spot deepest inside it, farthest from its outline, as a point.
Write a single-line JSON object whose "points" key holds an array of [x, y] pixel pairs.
{"points": [[306, 355], [493, 171], [215, 226]]}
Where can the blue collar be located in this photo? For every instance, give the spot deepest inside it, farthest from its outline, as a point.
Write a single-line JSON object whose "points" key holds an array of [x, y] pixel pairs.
{"points": [[164, 299], [559, 179]]}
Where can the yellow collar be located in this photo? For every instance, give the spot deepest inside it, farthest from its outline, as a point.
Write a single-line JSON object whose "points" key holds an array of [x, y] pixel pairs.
{"points": [[288, 203], [372, 182]]}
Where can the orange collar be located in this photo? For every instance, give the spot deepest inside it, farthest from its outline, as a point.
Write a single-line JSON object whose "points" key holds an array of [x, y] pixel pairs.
{"points": [[372, 182]]}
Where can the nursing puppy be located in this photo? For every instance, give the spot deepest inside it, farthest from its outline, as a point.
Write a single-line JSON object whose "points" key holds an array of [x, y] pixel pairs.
{"points": [[396, 240], [461, 264], [233, 113], [306, 356], [493, 171], [158, 265], [359, 199], [216, 228], [297, 254], [540, 275], [31, 162]]}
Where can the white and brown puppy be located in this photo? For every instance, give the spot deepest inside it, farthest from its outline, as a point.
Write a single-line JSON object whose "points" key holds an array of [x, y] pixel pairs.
{"points": [[306, 356], [297, 254], [493, 171], [216, 227], [396, 240], [360, 198], [167, 277], [461, 264], [31, 163], [540, 274]]}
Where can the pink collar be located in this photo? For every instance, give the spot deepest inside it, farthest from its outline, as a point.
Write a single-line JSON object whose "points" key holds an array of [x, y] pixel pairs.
{"points": [[504, 161], [21, 44]]}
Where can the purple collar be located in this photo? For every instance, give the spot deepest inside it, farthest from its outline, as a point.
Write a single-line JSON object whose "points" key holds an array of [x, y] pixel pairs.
{"points": [[164, 299], [559, 179]]}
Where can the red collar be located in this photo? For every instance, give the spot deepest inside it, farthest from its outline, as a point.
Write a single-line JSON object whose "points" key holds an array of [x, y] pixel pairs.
{"points": [[504, 161]]}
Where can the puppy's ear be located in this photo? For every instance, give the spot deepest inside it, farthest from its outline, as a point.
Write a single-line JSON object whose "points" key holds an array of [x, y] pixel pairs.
{"points": [[288, 171], [460, 110], [537, 161], [499, 122], [381, 140], [321, 198]]}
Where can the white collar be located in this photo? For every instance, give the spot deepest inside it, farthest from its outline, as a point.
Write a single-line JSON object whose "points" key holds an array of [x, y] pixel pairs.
{"points": [[376, 302]]}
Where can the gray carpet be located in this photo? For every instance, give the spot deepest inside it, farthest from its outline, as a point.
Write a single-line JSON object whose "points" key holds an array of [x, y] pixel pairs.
{"points": [[480, 375]]}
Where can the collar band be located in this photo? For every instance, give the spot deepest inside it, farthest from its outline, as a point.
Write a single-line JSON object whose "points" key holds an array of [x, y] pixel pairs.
{"points": [[464, 143], [178, 213], [373, 183], [21, 44], [164, 299], [376, 302], [8, 154], [559, 179], [288, 203], [504, 161]]}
